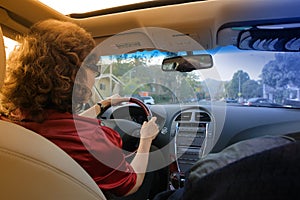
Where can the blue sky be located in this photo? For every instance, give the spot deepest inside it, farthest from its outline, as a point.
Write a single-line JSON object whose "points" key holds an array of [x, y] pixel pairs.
{"points": [[229, 60]]}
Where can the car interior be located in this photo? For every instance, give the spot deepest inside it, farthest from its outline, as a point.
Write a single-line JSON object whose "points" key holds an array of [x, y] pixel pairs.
{"points": [[191, 57], [30, 163]]}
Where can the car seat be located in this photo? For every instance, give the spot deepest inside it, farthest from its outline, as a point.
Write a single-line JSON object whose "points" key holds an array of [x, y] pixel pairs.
{"points": [[32, 167], [269, 174]]}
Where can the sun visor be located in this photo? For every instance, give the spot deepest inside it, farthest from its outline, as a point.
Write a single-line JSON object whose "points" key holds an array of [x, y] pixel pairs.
{"points": [[148, 38]]}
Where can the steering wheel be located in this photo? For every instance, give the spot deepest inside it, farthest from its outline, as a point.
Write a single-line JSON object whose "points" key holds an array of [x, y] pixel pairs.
{"points": [[128, 129]]}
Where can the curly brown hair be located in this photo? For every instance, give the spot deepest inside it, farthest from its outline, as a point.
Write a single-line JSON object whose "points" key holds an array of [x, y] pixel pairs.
{"points": [[43, 70]]}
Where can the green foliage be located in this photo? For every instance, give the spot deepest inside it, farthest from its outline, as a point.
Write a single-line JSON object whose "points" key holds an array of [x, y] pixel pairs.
{"points": [[242, 86], [252, 88], [234, 87], [283, 72]]}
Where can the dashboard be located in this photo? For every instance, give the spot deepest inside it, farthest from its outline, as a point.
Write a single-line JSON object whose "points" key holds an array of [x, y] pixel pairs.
{"points": [[189, 132], [190, 128]]}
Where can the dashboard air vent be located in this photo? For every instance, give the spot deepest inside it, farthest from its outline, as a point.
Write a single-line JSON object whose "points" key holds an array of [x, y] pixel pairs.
{"points": [[202, 116], [186, 116]]}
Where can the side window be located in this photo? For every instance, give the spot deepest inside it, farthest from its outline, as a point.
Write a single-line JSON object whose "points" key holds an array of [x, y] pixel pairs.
{"points": [[102, 86], [9, 45]]}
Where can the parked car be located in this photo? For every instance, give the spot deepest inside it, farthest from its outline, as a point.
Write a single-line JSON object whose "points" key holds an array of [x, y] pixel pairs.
{"points": [[147, 99], [261, 102], [293, 103], [229, 100]]}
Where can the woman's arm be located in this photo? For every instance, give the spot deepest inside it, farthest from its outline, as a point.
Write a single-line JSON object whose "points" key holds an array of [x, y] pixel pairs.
{"points": [[139, 163], [92, 112], [96, 109]]}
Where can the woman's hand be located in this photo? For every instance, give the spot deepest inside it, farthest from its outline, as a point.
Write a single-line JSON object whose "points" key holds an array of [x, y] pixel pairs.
{"points": [[99, 108], [112, 100], [149, 129]]}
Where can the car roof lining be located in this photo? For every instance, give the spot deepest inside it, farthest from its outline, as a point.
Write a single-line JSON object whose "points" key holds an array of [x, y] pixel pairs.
{"points": [[202, 26]]}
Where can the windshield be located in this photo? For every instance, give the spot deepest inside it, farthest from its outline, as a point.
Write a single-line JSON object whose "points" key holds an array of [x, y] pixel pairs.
{"points": [[236, 77]]}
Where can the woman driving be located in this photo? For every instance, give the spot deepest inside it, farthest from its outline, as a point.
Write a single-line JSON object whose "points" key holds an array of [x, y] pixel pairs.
{"points": [[47, 81]]}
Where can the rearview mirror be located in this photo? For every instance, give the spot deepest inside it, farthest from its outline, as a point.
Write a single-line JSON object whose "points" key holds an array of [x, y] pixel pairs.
{"points": [[187, 63]]}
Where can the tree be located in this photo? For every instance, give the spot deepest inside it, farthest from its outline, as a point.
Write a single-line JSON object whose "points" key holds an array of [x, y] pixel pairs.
{"points": [[234, 87], [251, 88], [283, 72]]}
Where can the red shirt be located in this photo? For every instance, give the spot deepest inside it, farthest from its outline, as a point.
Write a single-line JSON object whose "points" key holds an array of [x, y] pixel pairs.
{"points": [[96, 148]]}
